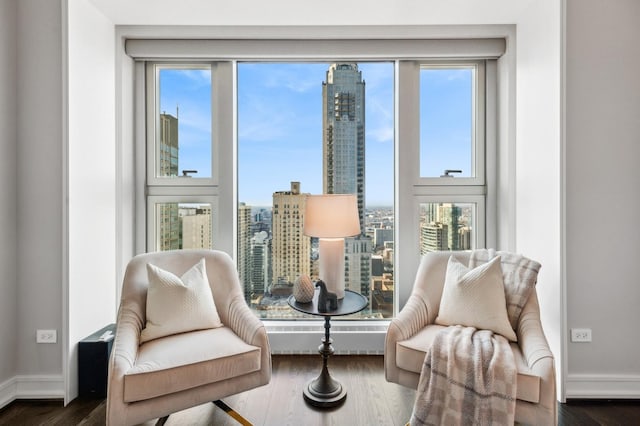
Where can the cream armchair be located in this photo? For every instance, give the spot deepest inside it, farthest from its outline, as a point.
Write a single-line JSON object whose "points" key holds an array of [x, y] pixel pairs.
{"points": [[169, 374], [410, 335]]}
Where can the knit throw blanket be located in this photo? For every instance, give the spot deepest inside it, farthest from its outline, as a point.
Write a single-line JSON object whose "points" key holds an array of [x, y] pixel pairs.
{"points": [[468, 378]]}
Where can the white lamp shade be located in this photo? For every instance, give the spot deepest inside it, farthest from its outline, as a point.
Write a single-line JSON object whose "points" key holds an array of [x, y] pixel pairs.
{"points": [[331, 216]]}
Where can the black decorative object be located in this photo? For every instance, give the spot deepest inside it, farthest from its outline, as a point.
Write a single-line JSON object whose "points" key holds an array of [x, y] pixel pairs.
{"points": [[326, 298]]}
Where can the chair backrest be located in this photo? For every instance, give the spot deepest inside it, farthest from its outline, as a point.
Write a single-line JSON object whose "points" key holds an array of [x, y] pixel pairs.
{"points": [[221, 272], [430, 278]]}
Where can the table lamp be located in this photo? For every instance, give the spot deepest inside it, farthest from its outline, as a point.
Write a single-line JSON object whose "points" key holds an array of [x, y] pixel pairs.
{"points": [[331, 217]]}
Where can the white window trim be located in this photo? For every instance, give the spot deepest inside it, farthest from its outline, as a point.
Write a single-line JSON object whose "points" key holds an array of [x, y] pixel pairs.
{"points": [[405, 271], [413, 190], [478, 117], [152, 97]]}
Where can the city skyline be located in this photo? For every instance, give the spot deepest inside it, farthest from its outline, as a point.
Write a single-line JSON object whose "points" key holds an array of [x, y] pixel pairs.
{"points": [[280, 127], [308, 126]]}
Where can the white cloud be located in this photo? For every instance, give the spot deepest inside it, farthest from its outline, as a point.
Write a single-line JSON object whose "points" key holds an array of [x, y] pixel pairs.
{"points": [[292, 77], [200, 77], [381, 134]]}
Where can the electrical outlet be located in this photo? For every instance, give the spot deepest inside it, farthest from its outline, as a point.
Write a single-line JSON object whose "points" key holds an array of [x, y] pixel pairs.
{"points": [[580, 334], [46, 336]]}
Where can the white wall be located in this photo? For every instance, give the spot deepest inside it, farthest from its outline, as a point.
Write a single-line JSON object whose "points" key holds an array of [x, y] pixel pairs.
{"points": [[91, 188], [8, 194], [538, 167], [603, 196], [40, 198]]}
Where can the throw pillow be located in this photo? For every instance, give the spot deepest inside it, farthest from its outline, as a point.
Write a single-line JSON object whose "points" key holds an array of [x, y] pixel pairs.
{"points": [[475, 298], [177, 305]]}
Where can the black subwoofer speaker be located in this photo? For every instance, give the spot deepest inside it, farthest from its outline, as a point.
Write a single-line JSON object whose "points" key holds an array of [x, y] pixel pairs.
{"points": [[93, 362]]}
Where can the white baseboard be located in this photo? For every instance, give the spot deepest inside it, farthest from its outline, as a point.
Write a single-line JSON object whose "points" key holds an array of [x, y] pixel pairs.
{"points": [[31, 387], [602, 386], [8, 390]]}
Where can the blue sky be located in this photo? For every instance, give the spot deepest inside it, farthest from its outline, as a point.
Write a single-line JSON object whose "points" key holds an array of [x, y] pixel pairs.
{"points": [[445, 121], [280, 125], [187, 93]]}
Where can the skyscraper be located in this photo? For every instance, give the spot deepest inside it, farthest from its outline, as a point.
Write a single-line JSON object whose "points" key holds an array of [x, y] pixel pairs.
{"points": [[169, 225], [168, 161], [196, 227], [343, 160], [244, 248], [444, 226], [260, 269], [291, 248], [450, 216], [343, 125], [433, 237]]}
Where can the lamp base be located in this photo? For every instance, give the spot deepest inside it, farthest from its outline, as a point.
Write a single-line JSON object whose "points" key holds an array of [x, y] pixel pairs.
{"points": [[331, 252]]}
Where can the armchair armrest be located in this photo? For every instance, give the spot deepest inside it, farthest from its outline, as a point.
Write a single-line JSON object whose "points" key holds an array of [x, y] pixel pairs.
{"points": [[123, 356], [250, 328], [244, 323], [411, 319], [538, 356], [531, 338]]}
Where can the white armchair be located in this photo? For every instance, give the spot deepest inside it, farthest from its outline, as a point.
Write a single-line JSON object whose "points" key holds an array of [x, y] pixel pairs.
{"points": [[410, 335], [165, 375]]}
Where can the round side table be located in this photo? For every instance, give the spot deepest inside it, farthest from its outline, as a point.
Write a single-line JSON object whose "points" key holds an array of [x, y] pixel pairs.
{"points": [[325, 391]]}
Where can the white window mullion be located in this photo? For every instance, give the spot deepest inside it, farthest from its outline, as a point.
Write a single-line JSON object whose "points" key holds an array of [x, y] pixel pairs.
{"points": [[408, 167], [224, 148], [491, 152], [140, 157]]}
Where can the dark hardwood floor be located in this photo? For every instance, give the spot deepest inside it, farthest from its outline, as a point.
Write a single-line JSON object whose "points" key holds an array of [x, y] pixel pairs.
{"points": [[370, 401]]}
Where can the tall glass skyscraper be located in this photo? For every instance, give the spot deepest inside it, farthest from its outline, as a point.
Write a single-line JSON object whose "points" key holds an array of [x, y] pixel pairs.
{"points": [[169, 235], [343, 160], [343, 128]]}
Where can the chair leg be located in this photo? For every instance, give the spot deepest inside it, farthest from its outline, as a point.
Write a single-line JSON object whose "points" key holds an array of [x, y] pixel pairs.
{"points": [[162, 420], [230, 411]]}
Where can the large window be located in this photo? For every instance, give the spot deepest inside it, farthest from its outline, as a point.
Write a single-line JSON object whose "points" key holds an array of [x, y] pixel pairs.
{"points": [[314, 128], [180, 186], [233, 147], [452, 179]]}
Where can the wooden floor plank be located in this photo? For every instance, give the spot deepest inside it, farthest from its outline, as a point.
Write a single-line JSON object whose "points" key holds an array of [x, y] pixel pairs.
{"points": [[371, 400]]}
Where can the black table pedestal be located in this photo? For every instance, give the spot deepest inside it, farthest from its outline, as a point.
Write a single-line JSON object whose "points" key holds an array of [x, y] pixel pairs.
{"points": [[325, 391]]}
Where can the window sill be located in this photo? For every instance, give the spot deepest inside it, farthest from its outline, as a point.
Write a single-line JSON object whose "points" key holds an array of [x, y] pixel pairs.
{"points": [[349, 337]]}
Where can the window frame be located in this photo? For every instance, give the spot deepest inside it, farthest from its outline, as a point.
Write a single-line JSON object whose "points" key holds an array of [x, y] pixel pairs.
{"points": [[154, 181], [472, 190], [178, 189], [409, 187], [478, 125], [413, 190]]}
